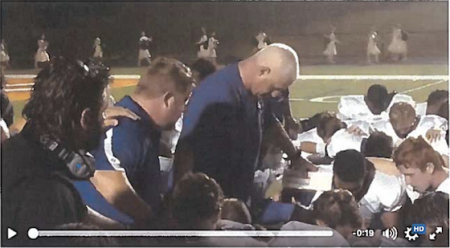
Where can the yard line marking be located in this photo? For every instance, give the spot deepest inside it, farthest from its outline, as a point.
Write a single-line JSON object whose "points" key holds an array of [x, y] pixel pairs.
{"points": [[424, 86]]}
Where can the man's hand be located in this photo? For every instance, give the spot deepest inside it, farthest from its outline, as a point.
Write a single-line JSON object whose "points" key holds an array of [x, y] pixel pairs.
{"points": [[433, 135], [111, 114]]}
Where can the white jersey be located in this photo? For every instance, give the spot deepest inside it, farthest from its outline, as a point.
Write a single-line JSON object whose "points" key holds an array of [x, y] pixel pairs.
{"points": [[170, 138], [261, 40], [421, 108], [354, 107], [444, 186], [372, 47], [331, 47], [309, 136], [336, 240], [386, 193], [401, 98], [397, 46], [343, 140], [425, 124]]}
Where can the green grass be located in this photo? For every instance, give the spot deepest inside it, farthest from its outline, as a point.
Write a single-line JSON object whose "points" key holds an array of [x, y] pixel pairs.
{"points": [[310, 89]]}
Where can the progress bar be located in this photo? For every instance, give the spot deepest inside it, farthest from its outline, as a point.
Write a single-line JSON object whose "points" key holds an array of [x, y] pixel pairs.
{"points": [[34, 233]]}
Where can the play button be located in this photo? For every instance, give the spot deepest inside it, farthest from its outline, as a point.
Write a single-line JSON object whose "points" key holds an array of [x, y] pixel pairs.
{"points": [[11, 233]]}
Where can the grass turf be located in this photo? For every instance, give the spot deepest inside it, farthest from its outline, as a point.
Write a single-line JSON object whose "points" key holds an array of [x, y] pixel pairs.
{"points": [[304, 91]]}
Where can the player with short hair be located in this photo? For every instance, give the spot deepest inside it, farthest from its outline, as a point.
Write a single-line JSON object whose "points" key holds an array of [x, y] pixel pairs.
{"points": [[404, 123], [422, 166]]}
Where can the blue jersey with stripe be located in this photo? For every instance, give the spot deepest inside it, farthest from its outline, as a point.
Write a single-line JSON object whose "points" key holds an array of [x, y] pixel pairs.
{"points": [[133, 147]]}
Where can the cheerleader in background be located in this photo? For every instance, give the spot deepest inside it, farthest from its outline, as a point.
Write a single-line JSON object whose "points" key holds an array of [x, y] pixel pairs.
{"points": [[41, 58], [144, 54], [202, 45], [372, 47], [212, 45], [262, 40], [4, 57], [330, 50], [398, 47], [98, 50]]}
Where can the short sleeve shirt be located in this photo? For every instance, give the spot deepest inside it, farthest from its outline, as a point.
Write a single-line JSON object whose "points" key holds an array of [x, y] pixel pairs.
{"points": [[133, 147]]}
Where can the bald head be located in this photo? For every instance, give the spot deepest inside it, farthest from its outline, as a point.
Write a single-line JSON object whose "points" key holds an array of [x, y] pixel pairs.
{"points": [[274, 68], [282, 59]]}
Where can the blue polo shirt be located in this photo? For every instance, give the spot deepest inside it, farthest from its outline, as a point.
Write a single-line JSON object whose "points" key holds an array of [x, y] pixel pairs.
{"points": [[132, 146], [223, 126]]}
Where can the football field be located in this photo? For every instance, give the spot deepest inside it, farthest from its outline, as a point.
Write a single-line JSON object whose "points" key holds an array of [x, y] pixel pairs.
{"points": [[308, 97]]}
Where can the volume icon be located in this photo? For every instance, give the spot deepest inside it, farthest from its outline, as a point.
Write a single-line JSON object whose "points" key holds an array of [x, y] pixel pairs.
{"points": [[390, 233]]}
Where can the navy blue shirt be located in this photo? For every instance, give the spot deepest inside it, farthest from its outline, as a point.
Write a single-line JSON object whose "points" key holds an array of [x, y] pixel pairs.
{"points": [[132, 146], [276, 105], [223, 127]]}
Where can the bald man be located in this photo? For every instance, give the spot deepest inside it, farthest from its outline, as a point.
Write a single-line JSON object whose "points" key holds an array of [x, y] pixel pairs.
{"points": [[225, 120], [404, 123]]}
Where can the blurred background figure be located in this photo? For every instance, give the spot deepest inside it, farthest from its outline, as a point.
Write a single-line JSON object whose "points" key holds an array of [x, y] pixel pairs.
{"points": [[4, 57], [398, 47], [262, 40], [98, 50], [144, 54], [202, 45], [372, 47], [330, 50], [42, 58], [212, 46]]}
